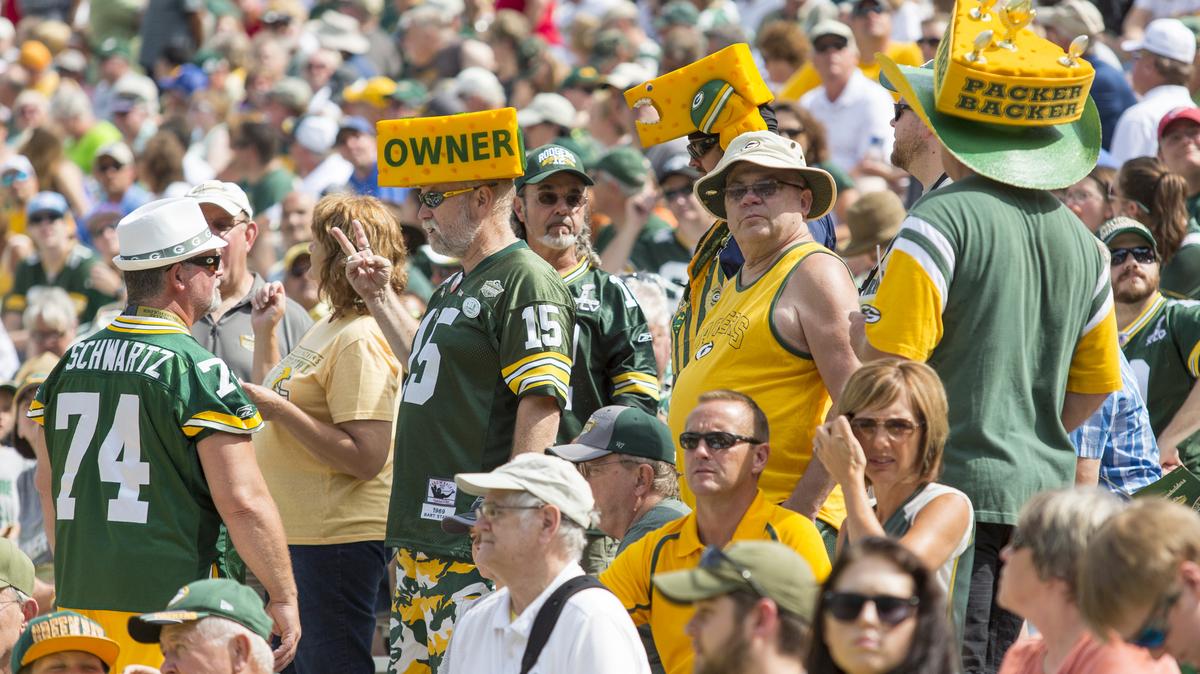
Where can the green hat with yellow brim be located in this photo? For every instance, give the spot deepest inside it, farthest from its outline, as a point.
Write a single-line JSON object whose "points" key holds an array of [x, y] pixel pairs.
{"points": [[61, 632], [1020, 116], [419, 151]]}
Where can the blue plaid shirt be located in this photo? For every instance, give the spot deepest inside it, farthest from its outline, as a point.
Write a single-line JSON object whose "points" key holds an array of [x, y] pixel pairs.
{"points": [[1119, 434]]}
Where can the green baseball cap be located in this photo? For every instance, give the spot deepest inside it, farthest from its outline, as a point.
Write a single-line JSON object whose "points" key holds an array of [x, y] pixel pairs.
{"points": [[114, 47], [16, 569], [219, 597], [1114, 227], [617, 429], [766, 568], [411, 93], [60, 632], [677, 13], [584, 77], [625, 164], [547, 160]]}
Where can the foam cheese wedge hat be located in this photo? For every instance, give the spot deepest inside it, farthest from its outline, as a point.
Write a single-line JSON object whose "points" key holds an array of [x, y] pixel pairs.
{"points": [[719, 94], [472, 146], [1022, 117]]}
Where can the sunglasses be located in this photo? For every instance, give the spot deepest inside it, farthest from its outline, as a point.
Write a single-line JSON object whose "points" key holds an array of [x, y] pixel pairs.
{"points": [[1142, 254], [863, 10], [898, 109], [714, 439], [714, 559], [44, 217], [831, 45], [896, 428], [1153, 634], [107, 167], [699, 147], [13, 176], [765, 189], [433, 199], [210, 262], [929, 41], [792, 133], [847, 606], [678, 192], [572, 200]]}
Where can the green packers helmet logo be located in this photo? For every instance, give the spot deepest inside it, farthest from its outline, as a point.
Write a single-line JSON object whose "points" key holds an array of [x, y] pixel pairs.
{"points": [[589, 425], [698, 100], [709, 103], [704, 350], [870, 313], [179, 596]]}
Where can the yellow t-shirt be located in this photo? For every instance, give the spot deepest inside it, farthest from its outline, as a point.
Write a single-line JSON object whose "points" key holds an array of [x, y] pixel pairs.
{"points": [[342, 370], [806, 78], [677, 546], [738, 348]]}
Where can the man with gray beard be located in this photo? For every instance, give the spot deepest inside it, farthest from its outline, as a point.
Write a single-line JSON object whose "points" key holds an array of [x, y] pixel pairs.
{"points": [[614, 353]]}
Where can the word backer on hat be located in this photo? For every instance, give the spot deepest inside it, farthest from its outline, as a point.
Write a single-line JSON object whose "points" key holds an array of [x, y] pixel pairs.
{"points": [[450, 149], [994, 69]]}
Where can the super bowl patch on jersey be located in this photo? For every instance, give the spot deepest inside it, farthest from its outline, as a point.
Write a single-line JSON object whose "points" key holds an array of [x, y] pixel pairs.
{"points": [[471, 307]]}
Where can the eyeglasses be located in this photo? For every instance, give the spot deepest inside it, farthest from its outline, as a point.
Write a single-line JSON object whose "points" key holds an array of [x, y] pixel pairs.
{"points": [[764, 189], [672, 195], [1153, 634], [224, 227], [898, 109], [44, 217], [837, 44], [929, 41], [863, 10], [587, 469], [210, 262], [714, 439], [11, 177], [698, 147], [897, 428], [1142, 254], [714, 558], [572, 200], [433, 199], [847, 606], [107, 167], [491, 511], [793, 133]]}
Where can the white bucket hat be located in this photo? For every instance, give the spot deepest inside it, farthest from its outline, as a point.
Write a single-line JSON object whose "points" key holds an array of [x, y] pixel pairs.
{"points": [[162, 233], [226, 195], [766, 149]]}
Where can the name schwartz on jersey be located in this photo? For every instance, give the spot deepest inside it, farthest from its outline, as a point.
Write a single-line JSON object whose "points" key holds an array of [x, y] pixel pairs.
{"points": [[112, 355]]}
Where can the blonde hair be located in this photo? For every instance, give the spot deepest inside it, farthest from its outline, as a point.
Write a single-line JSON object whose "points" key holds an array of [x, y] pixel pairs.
{"points": [[881, 383], [382, 230]]}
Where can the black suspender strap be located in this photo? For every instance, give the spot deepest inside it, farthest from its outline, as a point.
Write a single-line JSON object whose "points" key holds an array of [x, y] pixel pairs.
{"points": [[547, 617]]}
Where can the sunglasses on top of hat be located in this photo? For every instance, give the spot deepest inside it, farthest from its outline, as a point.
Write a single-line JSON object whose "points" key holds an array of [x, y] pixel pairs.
{"points": [[714, 559]]}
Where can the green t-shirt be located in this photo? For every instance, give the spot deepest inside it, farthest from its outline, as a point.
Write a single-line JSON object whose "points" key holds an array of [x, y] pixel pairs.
{"points": [[1180, 277], [83, 152], [75, 278], [614, 355], [1163, 348], [664, 255], [123, 412], [270, 190], [654, 224], [488, 339]]}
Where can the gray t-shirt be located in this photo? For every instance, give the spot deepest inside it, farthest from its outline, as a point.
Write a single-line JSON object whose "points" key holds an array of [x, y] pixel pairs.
{"points": [[232, 337], [667, 510]]}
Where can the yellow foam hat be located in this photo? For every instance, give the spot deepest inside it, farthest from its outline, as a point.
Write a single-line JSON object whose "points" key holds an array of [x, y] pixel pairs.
{"points": [[454, 148], [718, 94], [994, 69]]}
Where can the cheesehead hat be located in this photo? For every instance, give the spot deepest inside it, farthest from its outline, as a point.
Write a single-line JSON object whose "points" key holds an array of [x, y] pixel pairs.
{"points": [[719, 94], [1020, 116], [450, 149]]}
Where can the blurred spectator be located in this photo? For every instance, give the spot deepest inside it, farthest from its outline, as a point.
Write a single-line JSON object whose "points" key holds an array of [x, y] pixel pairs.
{"points": [[1162, 67], [681, 46], [210, 143], [855, 110], [317, 165], [579, 86], [257, 167], [101, 225], [295, 223], [299, 283], [431, 48], [382, 49], [51, 320], [319, 70], [31, 110], [652, 297], [114, 57], [1038, 582], [872, 222], [1149, 193], [508, 31], [798, 124], [806, 13], [179, 86], [134, 114], [905, 628], [890, 431], [342, 33], [548, 117], [169, 23], [1066, 21], [37, 58], [1179, 150], [408, 100], [116, 178], [287, 101], [20, 183], [932, 31], [355, 142], [55, 172], [72, 110], [540, 14], [1089, 198], [28, 440], [784, 47], [327, 456], [161, 166], [624, 205], [368, 98], [478, 89]]}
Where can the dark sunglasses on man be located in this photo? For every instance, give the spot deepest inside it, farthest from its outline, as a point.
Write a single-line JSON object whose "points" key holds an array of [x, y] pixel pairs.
{"points": [[1141, 254], [831, 44]]}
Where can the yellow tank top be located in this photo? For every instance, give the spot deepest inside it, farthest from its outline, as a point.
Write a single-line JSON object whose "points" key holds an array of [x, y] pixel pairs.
{"points": [[737, 348]]}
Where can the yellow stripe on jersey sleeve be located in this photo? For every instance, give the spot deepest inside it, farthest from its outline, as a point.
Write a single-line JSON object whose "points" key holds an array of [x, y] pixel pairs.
{"points": [[905, 318], [636, 382], [546, 367], [1193, 361], [1096, 367], [37, 411], [221, 422]]}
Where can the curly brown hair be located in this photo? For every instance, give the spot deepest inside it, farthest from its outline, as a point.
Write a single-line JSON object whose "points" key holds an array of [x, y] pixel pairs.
{"points": [[382, 230]]}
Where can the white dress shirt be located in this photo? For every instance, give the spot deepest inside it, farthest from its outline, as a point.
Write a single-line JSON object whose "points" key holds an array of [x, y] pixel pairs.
{"points": [[1136, 134], [594, 635], [862, 112]]}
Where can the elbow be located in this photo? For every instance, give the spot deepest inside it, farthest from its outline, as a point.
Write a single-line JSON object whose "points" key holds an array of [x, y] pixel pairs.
{"points": [[369, 465]]}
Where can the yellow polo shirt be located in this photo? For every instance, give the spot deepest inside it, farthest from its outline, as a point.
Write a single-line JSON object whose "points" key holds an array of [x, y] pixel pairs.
{"points": [[806, 78], [677, 546]]}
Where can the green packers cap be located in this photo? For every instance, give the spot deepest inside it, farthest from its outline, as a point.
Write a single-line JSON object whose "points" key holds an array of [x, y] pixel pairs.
{"points": [[1119, 225], [411, 93], [16, 570], [547, 160], [219, 597], [617, 429], [60, 632], [584, 77], [625, 164], [677, 13], [779, 573]]}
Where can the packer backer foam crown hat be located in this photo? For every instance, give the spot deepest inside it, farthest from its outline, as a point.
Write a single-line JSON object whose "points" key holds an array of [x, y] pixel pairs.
{"points": [[719, 95], [162, 233], [60, 632], [772, 151], [450, 149], [1008, 104]]}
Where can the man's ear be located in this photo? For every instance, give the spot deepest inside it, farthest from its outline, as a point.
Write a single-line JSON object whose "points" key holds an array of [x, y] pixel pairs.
{"points": [[645, 478], [519, 207], [239, 653], [251, 233]]}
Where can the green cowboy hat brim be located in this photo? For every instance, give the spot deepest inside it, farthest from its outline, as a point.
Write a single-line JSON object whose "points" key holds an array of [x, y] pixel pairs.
{"points": [[1033, 157]]}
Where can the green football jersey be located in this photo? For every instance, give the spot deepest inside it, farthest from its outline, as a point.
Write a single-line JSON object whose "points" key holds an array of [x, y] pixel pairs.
{"points": [[662, 254], [488, 339], [614, 355], [1181, 276], [75, 278], [123, 412], [1163, 348]]}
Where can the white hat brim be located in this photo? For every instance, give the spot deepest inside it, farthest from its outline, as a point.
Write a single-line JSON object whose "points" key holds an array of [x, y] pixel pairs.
{"points": [[125, 264]]}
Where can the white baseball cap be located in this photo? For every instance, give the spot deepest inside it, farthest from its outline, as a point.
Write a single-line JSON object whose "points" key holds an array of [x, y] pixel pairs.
{"points": [[547, 107], [163, 232], [1168, 38], [553, 480], [317, 133], [226, 195]]}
